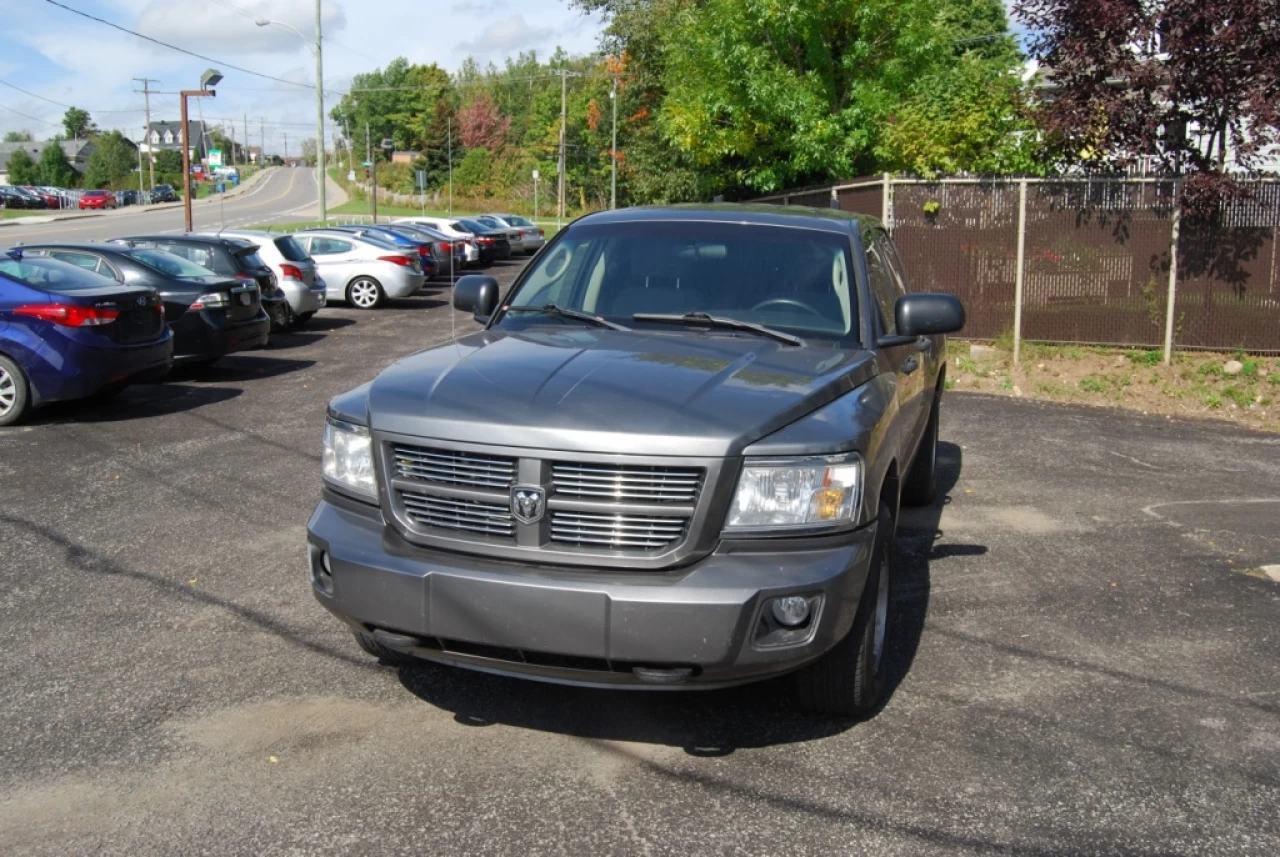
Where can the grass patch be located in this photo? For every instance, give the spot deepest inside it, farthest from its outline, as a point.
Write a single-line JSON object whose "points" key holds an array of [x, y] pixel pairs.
{"points": [[1093, 384]]}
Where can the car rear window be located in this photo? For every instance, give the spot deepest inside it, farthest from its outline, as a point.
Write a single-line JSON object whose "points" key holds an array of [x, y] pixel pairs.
{"points": [[249, 258], [51, 275], [290, 249], [167, 263]]}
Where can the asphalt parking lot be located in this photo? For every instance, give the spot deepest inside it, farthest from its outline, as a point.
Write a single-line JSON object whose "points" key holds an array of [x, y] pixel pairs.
{"points": [[1084, 665]]}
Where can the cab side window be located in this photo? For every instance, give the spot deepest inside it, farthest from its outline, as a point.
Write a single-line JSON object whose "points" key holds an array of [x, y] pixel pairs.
{"points": [[883, 287]]}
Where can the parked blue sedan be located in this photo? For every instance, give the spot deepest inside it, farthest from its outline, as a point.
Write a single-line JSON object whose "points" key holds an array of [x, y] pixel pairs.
{"points": [[67, 333]]}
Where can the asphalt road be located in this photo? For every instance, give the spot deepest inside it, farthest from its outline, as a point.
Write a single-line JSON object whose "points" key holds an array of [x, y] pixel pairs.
{"points": [[1082, 666], [281, 194]]}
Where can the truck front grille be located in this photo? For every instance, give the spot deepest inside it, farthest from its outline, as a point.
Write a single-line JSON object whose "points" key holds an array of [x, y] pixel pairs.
{"points": [[470, 516], [627, 483], [454, 468], [616, 531]]}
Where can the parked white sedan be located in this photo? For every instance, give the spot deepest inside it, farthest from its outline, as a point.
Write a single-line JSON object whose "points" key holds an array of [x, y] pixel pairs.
{"points": [[446, 225], [360, 269]]}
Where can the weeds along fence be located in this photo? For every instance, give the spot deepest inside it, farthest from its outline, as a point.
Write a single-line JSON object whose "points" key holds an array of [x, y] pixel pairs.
{"points": [[1090, 261]]}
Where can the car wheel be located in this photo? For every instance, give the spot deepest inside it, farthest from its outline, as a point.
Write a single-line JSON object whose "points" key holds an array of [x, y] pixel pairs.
{"points": [[371, 646], [15, 395], [848, 681], [921, 485], [365, 293]]}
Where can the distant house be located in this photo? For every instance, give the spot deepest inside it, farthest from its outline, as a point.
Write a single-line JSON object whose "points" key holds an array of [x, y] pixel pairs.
{"points": [[399, 157], [295, 161], [77, 152], [254, 153], [167, 137]]}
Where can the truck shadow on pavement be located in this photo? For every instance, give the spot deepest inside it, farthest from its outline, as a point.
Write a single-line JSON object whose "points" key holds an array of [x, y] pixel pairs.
{"points": [[707, 723]]}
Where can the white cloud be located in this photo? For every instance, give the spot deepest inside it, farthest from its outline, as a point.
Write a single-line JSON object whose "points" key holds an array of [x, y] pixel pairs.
{"points": [[507, 36]]}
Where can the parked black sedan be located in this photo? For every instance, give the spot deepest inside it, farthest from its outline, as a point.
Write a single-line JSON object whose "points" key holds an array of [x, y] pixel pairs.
{"points": [[498, 241], [231, 257], [164, 193], [211, 315], [450, 253]]}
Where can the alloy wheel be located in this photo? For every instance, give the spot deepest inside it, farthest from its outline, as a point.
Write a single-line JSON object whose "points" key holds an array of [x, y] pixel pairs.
{"points": [[364, 294], [8, 392]]}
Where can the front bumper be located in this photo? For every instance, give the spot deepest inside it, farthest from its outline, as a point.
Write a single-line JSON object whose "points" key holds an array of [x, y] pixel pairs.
{"points": [[695, 626]]}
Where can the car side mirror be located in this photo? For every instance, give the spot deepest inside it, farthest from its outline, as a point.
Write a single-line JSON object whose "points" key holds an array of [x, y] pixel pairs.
{"points": [[927, 314], [476, 294]]}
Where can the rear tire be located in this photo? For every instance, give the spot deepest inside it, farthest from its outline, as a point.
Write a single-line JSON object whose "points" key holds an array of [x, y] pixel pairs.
{"points": [[921, 485], [300, 320], [371, 646], [365, 293], [849, 680], [15, 393]]}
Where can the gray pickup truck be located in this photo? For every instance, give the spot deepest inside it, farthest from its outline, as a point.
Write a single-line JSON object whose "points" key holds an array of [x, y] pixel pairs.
{"points": [[672, 458]]}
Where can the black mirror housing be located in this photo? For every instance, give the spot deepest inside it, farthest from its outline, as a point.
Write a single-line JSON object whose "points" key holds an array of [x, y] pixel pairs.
{"points": [[928, 314], [477, 294]]}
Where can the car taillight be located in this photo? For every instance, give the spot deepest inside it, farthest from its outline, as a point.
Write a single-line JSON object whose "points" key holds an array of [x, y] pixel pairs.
{"points": [[402, 261], [69, 315], [291, 272], [446, 247], [541, 234], [484, 240], [424, 251], [213, 300]]}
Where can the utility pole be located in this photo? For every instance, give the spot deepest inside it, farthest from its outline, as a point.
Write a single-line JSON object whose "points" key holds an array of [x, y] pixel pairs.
{"points": [[146, 101], [564, 118], [373, 171], [450, 156], [246, 138], [320, 171], [286, 148], [613, 152], [262, 130]]}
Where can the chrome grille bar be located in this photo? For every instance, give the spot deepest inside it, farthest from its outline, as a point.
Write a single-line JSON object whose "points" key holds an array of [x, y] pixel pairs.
{"points": [[454, 468], [633, 483], [466, 515], [601, 528]]}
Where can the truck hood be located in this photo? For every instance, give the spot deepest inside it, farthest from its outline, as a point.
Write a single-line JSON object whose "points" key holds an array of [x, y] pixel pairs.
{"points": [[671, 393]]}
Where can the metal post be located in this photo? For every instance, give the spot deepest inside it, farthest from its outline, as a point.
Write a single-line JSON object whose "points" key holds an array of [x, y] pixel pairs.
{"points": [[450, 156], [886, 206], [141, 189], [186, 165], [1017, 277], [535, 198], [564, 118], [613, 177], [320, 161], [373, 172], [246, 140], [146, 101], [1173, 277]]}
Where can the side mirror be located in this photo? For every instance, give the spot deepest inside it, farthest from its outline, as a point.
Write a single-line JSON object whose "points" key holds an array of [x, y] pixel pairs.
{"points": [[476, 294], [923, 315]]}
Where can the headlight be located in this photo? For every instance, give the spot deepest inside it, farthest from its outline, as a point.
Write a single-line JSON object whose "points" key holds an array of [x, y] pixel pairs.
{"points": [[348, 458], [796, 494]]}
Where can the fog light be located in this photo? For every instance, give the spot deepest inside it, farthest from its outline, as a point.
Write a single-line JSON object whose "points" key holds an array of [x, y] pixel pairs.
{"points": [[791, 611], [324, 562]]}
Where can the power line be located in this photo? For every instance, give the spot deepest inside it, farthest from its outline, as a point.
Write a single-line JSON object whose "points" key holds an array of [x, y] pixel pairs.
{"points": [[32, 118], [59, 103], [175, 47]]}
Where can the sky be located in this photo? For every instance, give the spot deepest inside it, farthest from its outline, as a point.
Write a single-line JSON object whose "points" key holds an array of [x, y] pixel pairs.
{"points": [[64, 58]]}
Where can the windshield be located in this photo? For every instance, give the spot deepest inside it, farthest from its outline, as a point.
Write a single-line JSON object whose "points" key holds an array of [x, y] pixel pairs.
{"points": [[517, 220], [167, 263], [51, 275], [792, 279], [474, 226]]}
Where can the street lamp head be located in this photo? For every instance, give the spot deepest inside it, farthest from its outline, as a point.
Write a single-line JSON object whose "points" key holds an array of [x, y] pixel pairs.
{"points": [[211, 78], [263, 22]]}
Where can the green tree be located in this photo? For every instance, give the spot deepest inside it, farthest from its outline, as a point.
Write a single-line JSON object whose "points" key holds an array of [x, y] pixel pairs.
{"points": [[55, 170], [17, 137], [168, 161], [78, 124], [22, 168], [112, 159]]}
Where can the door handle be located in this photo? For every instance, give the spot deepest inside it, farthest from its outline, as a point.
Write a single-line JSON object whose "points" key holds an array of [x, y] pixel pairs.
{"points": [[910, 365]]}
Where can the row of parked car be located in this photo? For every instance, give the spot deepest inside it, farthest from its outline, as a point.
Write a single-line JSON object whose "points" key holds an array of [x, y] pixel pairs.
{"points": [[81, 320], [43, 197]]}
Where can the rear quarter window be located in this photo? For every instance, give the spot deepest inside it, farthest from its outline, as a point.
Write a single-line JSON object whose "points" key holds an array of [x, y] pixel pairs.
{"points": [[290, 249]]}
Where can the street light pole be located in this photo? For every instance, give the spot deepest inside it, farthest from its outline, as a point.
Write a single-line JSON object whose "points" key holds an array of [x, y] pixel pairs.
{"points": [[319, 53], [208, 79], [613, 176]]}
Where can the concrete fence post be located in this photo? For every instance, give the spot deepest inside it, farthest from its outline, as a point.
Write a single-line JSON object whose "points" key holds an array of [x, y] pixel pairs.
{"points": [[1173, 277], [1017, 277]]}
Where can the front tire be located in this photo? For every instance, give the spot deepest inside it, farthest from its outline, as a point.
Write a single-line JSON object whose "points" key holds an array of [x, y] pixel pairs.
{"points": [[15, 393], [848, 681], [921, 485], [365, 293]]}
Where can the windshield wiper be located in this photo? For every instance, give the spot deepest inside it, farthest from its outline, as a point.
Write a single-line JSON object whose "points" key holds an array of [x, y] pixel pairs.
{"points": [[702, 319], [552, 309]]}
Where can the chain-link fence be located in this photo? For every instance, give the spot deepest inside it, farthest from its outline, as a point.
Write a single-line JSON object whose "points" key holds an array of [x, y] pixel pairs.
{"points": [[1099, 263]]}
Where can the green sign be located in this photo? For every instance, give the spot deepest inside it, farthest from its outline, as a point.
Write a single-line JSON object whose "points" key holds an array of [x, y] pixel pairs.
{"points": [[215, 157]]}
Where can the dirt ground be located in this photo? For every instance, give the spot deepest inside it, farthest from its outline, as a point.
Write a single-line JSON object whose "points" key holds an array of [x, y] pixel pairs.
{"points": [[1196, 384]]}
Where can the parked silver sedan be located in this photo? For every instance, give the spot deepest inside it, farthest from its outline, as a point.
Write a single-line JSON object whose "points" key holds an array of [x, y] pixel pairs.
{"points": [[294, 269], [531, 237], [361, 269]]}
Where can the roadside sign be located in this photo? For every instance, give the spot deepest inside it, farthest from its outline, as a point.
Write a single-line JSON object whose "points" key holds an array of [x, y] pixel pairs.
{"points": [[215, 157], [351, 175], [536, 176], [388, 143], [366, 163], [421, 177]]}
